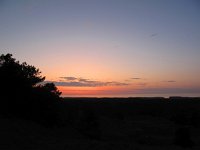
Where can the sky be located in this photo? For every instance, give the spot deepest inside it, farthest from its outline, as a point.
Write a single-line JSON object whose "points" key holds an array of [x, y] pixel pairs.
{"points": [[114, 48]]}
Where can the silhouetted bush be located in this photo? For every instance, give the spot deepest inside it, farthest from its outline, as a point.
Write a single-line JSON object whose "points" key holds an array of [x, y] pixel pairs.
{"points": [[183, 138], [23, 96], [195, 119], [182, 118], [87, 124]]}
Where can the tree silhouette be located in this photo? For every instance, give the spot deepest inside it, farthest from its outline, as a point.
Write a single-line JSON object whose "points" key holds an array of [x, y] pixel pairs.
{"points": [[23, 94], [23, 74], [52, 88]]}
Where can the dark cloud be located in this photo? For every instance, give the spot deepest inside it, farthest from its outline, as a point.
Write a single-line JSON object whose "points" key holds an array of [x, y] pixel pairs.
{"points": [[82, 82], [170, 81], [153, 35], [68, 78], [115, 83], [136, 78], [70, 83]]}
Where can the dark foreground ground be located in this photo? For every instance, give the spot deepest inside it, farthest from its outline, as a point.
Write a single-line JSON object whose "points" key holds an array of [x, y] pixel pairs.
{"points": [[111, 124]]}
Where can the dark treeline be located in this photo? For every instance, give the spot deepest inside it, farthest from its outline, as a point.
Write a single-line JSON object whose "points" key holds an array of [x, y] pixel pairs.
{"points": [[88, 114], [181, 110], [22, 94]]}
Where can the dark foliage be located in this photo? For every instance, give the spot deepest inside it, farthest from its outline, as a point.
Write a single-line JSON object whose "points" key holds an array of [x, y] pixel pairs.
{"points": [[183, 138], [23, 96], [88, 124]]}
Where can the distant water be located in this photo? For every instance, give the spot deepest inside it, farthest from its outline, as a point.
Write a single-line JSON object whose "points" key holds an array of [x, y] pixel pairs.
{"points": [[139, 95]]}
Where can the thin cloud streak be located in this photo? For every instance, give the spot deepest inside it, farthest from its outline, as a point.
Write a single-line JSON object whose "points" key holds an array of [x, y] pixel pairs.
{"points": [[135, 78], [68, 78], [165, 90], [83, 82], [87, 84], [170, 81], [153, 35]]}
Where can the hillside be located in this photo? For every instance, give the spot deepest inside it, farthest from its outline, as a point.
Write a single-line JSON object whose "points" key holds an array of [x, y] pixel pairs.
{"points": [[102, 123]]}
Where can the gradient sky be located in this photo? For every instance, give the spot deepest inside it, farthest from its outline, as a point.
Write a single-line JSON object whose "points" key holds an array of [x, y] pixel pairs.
{"points": [[107, 47]]}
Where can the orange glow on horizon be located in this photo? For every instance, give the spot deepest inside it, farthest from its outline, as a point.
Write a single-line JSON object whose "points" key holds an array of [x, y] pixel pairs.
{"points": [[91, 91]]}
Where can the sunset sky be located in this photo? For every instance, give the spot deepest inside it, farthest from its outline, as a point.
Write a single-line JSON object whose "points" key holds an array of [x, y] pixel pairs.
{"points": [[107, 47]]}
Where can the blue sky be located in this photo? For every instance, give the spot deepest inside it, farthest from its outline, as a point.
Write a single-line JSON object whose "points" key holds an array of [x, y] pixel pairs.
{"points": [[107, 41]]}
